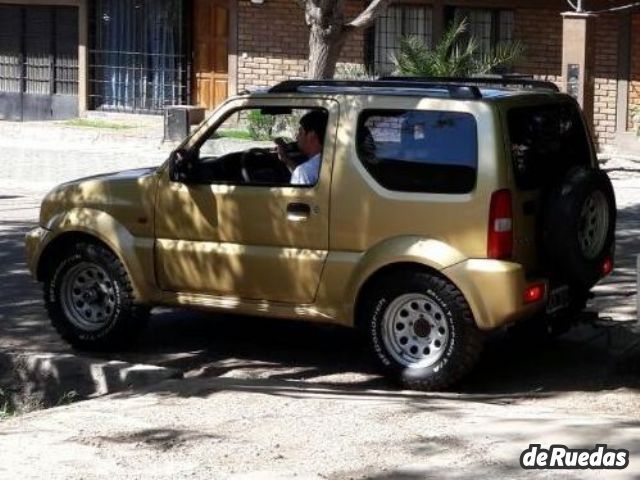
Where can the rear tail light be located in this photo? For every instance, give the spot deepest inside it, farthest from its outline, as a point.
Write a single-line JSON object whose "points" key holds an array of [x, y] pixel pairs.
{"points": [[500, 237], [607, 266], [534, 293]]}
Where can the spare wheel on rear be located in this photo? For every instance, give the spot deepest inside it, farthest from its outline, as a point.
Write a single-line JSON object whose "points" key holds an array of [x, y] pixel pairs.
{"points": [[579, 222]]}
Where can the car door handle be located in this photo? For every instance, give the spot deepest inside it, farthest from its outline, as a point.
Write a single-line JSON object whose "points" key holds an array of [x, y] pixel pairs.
{"points": [[298, 212]]}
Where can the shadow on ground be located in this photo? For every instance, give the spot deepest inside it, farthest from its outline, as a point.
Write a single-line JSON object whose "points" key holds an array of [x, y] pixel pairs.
{"points": [[23, 323], [241, 347]]}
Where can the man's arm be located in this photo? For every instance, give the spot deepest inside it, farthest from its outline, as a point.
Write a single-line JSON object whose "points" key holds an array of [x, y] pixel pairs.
{"points": [[284, 158]]}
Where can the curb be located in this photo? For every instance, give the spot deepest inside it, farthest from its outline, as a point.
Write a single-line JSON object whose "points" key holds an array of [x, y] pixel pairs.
{"points": [[41, 380]]}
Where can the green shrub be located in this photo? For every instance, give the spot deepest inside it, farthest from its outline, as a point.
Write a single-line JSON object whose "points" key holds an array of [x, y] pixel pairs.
{"points": [[6, 405], [455, 55], [260, 126], [635, 117], [352, 71]]}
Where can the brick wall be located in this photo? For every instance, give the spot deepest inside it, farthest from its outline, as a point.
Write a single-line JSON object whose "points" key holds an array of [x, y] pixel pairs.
{"points": [[541, 32], [606, 74], [273, 46], [273, 42], [634, 84]]}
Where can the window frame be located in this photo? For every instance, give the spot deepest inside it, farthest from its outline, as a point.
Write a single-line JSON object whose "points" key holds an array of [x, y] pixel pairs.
{"points": [[211, 129], [496, 35], [367, 113], [371, 50]]}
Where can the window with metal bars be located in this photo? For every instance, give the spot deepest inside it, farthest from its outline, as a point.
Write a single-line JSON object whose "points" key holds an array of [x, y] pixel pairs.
{"points": [[138, 60], [38, 50], [488, 26], [398, 21]]}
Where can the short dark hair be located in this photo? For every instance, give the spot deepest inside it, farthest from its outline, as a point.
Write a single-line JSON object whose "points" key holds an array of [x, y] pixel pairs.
{"points": [[315, 121]]}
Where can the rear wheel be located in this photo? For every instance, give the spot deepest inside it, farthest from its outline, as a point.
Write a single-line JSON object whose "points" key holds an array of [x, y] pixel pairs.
{"points": [[90, 301], [421, 330]]}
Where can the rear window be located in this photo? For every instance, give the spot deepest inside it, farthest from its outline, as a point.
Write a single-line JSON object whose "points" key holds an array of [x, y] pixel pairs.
{"points": [[545, 142], [419, 151]]}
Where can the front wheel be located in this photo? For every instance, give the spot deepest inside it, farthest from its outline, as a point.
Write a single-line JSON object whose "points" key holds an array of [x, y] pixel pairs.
{"points": [[89, 298], [421, 330]]}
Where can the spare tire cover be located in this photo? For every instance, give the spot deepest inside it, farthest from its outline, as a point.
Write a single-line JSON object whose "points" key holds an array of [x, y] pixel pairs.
{"points": [[579, 221]]}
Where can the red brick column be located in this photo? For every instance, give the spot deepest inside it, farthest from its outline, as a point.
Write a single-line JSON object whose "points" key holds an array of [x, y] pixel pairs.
{"points": [[578, 58], [634, 77]]}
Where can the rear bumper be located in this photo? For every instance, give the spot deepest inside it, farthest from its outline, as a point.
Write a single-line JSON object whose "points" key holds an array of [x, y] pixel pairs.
{"points": [[494, 290]]}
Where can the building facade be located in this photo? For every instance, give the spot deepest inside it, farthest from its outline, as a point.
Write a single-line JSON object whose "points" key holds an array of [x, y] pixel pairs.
{"points": [[59, 58]]}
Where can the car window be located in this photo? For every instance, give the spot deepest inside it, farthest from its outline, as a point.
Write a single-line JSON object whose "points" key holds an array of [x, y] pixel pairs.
{"points": [[419, 151], [241, 150], [546, 141]]}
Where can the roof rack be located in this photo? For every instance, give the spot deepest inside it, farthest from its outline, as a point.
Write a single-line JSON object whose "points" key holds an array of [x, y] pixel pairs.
{"points": [[488, 80], [459, 91]]}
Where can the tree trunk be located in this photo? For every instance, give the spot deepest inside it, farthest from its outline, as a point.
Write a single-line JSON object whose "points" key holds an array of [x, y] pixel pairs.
{"points": [[328, 31], [324, 51]]}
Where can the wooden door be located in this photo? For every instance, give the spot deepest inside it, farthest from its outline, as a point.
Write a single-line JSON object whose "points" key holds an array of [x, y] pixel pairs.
{"points": [[211, 45]]}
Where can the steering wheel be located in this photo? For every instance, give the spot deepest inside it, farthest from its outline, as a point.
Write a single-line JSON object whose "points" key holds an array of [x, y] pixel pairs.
{"points": [[246, 159]]}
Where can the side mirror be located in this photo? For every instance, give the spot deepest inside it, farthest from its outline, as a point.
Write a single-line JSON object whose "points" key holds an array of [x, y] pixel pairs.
{"points": [[182, 166]]}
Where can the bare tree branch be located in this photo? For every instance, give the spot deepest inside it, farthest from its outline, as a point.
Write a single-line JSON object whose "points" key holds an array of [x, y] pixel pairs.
{"points": [[368, 16], [328, 31]]}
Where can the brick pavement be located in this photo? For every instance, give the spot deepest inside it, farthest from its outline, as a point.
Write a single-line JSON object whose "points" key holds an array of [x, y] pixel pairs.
{"points": [[37, 156]]}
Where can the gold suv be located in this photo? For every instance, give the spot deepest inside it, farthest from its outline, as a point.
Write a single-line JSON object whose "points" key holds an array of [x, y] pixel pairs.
{"points": [[424, 211]]}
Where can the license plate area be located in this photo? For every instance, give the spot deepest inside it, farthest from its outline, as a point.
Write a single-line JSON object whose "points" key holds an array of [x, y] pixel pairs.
{"points": [[558, 299]]}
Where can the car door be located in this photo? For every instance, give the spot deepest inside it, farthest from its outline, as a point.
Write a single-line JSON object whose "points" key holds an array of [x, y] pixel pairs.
{"points": [[259, 242]]}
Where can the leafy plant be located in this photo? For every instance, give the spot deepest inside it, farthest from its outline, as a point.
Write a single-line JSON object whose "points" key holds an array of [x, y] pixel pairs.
{"points": [[260, 126], [353, 71], [68, 398], [452, 56], [635, 117], [7, 408], [233, 133]]}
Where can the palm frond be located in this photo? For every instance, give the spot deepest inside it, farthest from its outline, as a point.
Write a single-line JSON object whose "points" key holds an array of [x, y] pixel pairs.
{"points": [[504, 54], [413, 58], [453, 56], [451, 38]]}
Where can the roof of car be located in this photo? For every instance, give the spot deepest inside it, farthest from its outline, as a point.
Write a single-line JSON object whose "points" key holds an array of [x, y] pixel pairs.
{"points": [[440, 87]]}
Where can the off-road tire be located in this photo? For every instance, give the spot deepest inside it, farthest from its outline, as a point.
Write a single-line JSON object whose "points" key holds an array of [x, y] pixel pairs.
{"points": [[562, 224], [127, 319], [464, 345]]}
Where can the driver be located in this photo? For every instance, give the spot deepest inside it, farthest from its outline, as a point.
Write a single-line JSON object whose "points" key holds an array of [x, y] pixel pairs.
{"points": [[310, 139]]}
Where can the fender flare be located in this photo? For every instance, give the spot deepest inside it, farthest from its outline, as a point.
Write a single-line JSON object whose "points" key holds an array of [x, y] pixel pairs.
{"points": [[430, 253], [135, 253]]}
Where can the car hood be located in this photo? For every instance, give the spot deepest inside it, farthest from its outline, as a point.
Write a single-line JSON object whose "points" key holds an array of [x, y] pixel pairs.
{"points": [[126, 195]]}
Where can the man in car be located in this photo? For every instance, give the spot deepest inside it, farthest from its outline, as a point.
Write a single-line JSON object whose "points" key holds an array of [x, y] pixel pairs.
{"points": [[310, 139]]}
